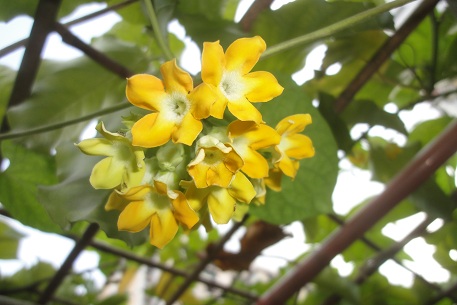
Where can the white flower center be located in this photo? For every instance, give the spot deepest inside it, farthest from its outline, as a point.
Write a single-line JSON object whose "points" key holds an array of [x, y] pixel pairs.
{"points": [[232, 85], [176, 106]]}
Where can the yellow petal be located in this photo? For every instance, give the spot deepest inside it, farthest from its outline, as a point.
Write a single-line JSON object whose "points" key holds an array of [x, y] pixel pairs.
{"points": [[175, 79], [188, 130], [202, 99], [254, 135], [161, 188], [137, 193], [293, 124], [288, 166], [97, 147], [219, 175], [135, 217], [255, 165], [261, 86], [242, 189], [273, 181], [221, 205], [196, 197], [243, 110], [145, 91], [133, 178], [152, 130], [163, 228], [219, 106], [213, 62], [183, 212], [243, 54], [298, 146], [115, 202], [107, 174]]}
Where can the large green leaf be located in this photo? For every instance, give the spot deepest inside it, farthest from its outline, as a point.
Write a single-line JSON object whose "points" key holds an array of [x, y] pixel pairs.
{"points": [[73, 198], [19, 183], [68, 90], [310, 193]]}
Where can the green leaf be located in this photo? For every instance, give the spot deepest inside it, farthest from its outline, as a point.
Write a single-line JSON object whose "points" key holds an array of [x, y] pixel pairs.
{"points": [[330, 281], [7, 77], [19, 183], [68, 90], [9, 240], [301, 17], [428, 130], [310, 193], [318, 228]]}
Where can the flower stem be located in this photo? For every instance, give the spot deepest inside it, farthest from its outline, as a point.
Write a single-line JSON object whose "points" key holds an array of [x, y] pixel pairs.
{"points": [[156, 28], [51, 127], [333, 28]]}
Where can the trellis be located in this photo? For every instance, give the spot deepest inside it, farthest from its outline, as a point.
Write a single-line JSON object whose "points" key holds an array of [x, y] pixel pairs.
{"points": [[409, 179]]}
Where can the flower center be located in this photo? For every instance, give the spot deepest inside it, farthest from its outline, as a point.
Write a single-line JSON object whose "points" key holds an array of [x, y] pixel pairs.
{"points": [[232, 85], [176, 107], [213, 156]]}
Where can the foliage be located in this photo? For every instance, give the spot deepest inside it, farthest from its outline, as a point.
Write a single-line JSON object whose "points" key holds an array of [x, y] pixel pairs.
{"points": [[44, 181]]}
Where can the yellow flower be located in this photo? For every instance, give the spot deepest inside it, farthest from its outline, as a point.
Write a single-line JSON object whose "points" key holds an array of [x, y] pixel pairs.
{"points": [[221, 201], [293, 146], [229, 74], [177, 107], [215, 163], [158, 207], [124, 165], [246, 138]]}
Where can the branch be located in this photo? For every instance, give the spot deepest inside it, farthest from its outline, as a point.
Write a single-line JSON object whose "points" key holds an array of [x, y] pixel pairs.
{"points": [[205, 261], [254, 10], [334, 28], [383, 53], [69, 38], [404, 183], [91, 230]]}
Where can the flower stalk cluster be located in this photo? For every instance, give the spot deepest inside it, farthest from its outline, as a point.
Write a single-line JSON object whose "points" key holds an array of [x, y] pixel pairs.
{"points": [[201, 152]]}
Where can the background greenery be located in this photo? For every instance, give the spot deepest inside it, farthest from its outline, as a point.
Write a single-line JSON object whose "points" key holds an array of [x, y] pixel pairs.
{"points": [[46, 184]]}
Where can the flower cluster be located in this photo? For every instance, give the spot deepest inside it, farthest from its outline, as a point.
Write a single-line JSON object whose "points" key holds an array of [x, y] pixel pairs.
{"points": [[221, 151]]}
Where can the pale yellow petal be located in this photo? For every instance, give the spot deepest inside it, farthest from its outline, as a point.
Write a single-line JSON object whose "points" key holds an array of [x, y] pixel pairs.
{"points": [[175, 79], [196, 196], [163, 228], [242, 189], [243, 54], [135, 217], [107, 174], [261, 86], [243, 110], [213, 62], [221, 205], [254, 135], [188, 130], [183, 212], [145, 91], [97, 147], [152, 130]]}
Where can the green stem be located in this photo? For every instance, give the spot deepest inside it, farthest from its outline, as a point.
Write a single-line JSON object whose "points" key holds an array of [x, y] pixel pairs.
{"points": [[50, 127], [333, 28], [156, 28]]}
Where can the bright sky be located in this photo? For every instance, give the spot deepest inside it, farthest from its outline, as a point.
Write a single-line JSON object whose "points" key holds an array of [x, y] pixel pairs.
{"points": [[347, 192]]}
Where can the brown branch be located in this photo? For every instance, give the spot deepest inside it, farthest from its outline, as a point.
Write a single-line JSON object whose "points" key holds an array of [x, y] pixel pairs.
{"points": [[69, 38], [148, 262], [90, 232], [45, 16], [404, 183], [205, 261], [383, 53], [254, 10]]}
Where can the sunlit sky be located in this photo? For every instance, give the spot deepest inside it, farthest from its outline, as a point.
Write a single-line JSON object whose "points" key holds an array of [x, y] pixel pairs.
{"points": [[354, 185]]}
